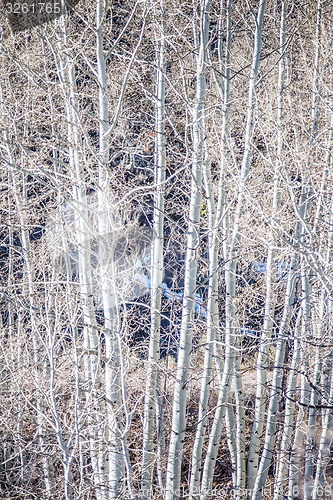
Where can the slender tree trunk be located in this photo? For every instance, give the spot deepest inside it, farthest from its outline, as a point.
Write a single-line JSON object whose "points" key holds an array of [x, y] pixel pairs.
{"points": [[327, 388], [185, 346], [262, 360], [114, 404], [66, 75], [214, 221], [276, 384], [281, 480], [47, 467], [230, 269], [156, 272]]}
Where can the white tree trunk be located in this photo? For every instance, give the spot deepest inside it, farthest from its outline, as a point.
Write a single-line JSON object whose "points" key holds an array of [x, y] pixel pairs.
{"points": [[281, 478], [262, 360], [66, 75], [215, 216], [185, 342], [325, 314], [47, 467], [156, 272], [115, 466], [230, 270]]}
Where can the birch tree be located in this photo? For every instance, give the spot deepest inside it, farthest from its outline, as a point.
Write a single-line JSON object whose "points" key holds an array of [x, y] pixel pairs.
{"points": [[209, 123], [156, 268], [216, 214], [259, 418], [185, 345], [230, 271]]}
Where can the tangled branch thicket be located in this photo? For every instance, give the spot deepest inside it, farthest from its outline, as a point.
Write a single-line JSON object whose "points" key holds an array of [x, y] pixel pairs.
{"points": [[166, 252]]}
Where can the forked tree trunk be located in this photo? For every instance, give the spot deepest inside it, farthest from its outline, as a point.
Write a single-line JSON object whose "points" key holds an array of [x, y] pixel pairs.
{"points": [[262, 360], [230, 279], [215, 217]]}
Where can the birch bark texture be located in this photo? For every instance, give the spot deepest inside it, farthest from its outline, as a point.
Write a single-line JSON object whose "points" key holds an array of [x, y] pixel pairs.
{"points": [[207, 125], [190, 274], [149, 454]]}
